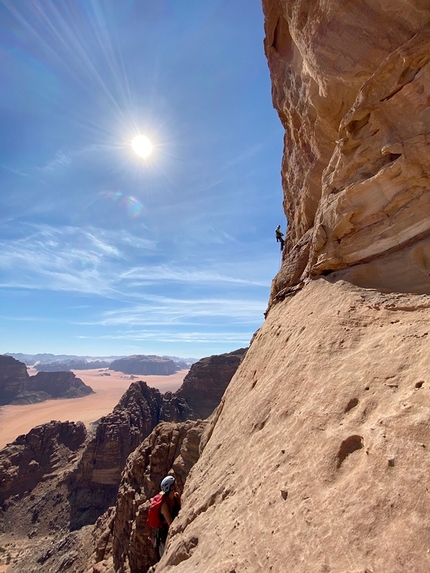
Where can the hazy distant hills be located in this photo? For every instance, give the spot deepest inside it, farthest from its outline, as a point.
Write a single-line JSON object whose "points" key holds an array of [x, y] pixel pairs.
{"points": [[45, 358], [136, 364]]}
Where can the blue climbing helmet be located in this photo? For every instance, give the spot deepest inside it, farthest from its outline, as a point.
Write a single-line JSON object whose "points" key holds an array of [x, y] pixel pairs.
{"points": [[167, 483]]}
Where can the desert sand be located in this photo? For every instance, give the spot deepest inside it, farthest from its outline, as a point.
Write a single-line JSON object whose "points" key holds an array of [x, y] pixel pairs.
{"points": [[109, 387]]}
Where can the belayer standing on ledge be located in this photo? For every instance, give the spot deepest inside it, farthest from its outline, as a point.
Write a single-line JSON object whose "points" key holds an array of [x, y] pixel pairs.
{"points": [[279, 236]]}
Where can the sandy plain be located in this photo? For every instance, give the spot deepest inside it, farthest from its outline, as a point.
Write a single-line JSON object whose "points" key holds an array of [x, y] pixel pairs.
{"points": [[108, 386]]}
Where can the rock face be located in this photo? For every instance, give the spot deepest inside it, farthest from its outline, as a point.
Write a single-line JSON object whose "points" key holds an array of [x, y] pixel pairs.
{"points": [[59, 385], [216, 372], [124, 536], [32, 456], [351, 84], [17, 387], [13, 378], [318, 451], [94, 484], [141, 364]]}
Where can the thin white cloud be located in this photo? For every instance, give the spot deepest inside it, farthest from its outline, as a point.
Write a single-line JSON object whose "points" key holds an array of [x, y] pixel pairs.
{"points": [[93, 261], [60, 160], [239, 338], [15, 171], [169, 311], [158, 273], [64, 159]]}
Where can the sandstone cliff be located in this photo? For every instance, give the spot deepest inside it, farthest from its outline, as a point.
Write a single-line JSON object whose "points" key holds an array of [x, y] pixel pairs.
{"points": [[317, 457], [351, 83], [13, 378], [123, 536], [318, 454], [216, 371]]}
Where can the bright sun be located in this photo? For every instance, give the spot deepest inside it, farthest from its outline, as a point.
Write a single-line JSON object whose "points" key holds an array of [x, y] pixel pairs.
{"points": [[141, 146]]}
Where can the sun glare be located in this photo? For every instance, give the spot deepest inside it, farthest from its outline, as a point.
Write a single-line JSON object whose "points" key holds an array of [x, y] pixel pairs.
{"points": [[141, 146]]}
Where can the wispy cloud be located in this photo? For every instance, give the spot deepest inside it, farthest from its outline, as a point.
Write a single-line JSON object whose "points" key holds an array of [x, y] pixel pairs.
{"points": [[142, 274], [161, 310], [65, 258], [64, 159], [60, 160], [102, 261], [15, 171], [238, 338]]}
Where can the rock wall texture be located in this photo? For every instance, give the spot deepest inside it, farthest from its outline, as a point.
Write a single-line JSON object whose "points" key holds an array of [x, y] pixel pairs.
{"points": [[216, 372], [33, 456], [318, 455], [351, 83], [122, 537]]}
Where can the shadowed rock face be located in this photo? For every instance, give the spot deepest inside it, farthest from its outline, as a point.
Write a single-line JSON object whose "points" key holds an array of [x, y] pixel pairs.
{"points": [[169, 447], [351, 83], [206, 382], [13, 378]]}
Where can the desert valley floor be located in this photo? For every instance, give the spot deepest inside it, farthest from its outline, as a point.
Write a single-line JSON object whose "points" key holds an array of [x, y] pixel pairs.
{"points": [[108, 386]]}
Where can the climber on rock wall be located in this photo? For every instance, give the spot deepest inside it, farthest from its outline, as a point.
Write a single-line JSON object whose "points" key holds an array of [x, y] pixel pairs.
{"points": [[164, 508], [279, 236]]}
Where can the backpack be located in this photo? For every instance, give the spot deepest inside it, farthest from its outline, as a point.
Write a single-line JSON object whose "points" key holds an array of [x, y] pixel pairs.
{"points": [[154, 518]]}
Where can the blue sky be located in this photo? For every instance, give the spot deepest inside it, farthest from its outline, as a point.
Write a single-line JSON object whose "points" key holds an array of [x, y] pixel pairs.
{"points": [[103, 252]]}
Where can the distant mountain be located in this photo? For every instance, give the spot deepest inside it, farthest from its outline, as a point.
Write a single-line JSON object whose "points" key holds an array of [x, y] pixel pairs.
{"points": [[182, 362], [72, 364], [142, 364], [31, 359], [17, 387], [65, 362]]}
